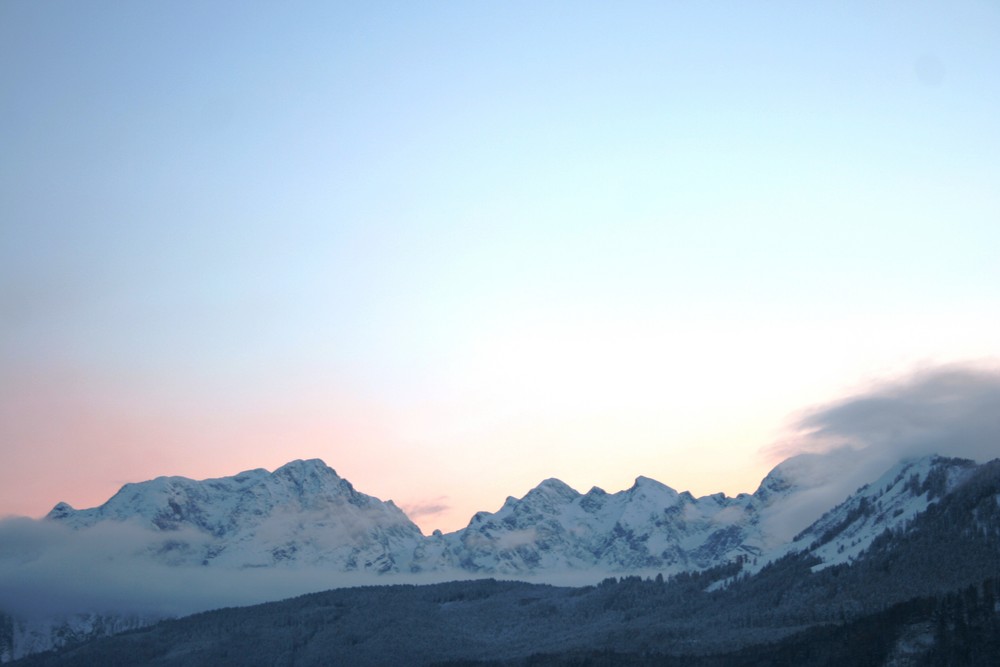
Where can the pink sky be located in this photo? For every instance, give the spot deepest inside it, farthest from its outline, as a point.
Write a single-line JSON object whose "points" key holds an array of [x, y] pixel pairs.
{"points": [[80, 435]]}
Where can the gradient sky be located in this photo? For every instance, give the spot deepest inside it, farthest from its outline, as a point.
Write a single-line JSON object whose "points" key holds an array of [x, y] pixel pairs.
{"points": [[456, 248]]}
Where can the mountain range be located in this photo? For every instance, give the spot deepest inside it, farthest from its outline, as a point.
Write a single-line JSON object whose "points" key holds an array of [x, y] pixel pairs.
{"points": [[304, 516]]}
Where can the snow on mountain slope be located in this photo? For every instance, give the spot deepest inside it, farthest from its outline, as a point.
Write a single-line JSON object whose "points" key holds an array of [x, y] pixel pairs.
{"points": [[649, 526], [305, 514], [652, 527], [302, 513], [888, 503]]}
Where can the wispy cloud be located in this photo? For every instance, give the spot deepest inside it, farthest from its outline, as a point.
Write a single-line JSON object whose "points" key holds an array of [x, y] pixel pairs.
{"points": [[426, 507]]}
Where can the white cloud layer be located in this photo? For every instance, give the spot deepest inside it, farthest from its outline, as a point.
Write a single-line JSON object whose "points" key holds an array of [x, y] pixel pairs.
{"points": [[47, 569]]}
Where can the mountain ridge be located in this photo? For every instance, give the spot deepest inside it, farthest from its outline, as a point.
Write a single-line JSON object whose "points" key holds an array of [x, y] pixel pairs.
{"points": [[303, 513]]}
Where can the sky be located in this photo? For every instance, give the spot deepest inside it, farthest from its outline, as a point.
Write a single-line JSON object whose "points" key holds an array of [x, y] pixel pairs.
{"points": [[454, 249]]}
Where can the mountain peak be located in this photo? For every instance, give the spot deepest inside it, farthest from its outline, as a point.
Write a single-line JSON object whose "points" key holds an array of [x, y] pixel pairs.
{"points": [[305, 466], [60, 511], [806, 470], [554, 487], [651, 485]]}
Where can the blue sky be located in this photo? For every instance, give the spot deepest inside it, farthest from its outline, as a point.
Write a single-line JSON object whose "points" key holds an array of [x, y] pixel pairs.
{"points": [[479, 243]]}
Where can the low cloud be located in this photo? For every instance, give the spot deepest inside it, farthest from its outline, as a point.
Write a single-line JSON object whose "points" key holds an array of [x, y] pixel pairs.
{"points": [[517, 538], [48, 570]]}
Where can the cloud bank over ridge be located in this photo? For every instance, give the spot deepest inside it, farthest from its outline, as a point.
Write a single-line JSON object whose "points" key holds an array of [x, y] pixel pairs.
{"points": [[951, 410]]}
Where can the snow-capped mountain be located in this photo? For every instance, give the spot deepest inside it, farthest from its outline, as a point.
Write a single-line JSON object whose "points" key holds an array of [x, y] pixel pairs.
{"points": [[305, 514], [302, 513], [648, 526]]}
